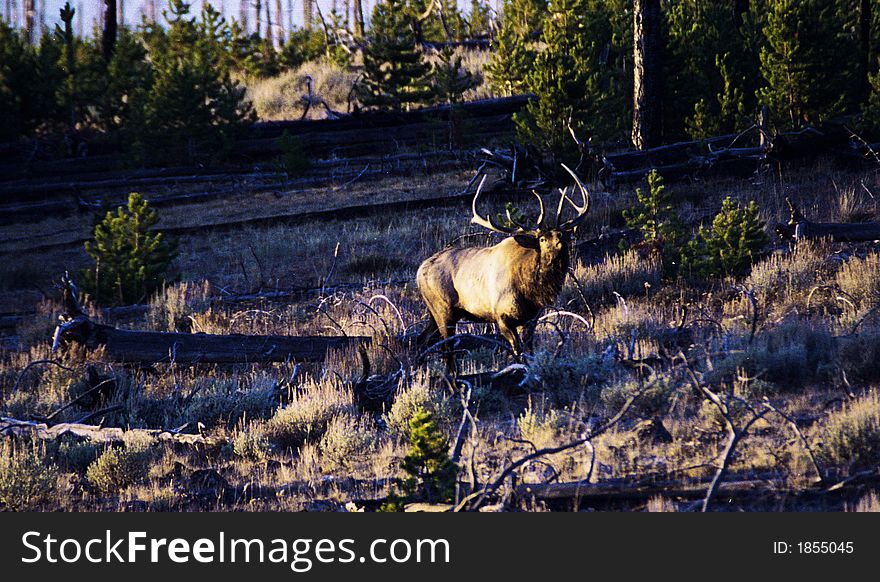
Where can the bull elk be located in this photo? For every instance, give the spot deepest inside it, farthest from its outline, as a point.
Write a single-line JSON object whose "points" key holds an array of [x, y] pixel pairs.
{"points": [[507, 284]]}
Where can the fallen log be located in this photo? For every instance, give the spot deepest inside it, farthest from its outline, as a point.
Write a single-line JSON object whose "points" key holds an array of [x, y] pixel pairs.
{"points": [[597, 492], [11, 427], [664, 155], [799, 228], [150, 347]]}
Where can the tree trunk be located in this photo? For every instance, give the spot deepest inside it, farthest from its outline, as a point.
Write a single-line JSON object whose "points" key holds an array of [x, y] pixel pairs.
{"points": [[307, 14], [648, 71], [258, 12], [359, 18], [799, 228], [865, 45], [80, 20], [150, 347], [122, 13], [108, 39], [740, 7], [279, 23], [270, 37], [29, 16], [290, 25], [243, 16]]}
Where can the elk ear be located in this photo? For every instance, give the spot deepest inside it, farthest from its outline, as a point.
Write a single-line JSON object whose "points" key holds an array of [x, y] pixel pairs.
{"points": [[526, 240]]}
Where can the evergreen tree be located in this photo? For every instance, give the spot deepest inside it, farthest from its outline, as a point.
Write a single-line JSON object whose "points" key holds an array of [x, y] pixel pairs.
{"points": [[395, 72], [193, 101], [655, 217], [806, 62], [431, 473], [451, 79], [711, 74], [130, 259], [871, 109], [302, 45], [515, 47], [735, 241], [479, 20], [573, 80], [129, 76], [30, 81]]}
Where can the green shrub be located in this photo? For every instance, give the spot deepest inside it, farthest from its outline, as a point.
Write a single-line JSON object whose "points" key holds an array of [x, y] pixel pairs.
{"points": [[131, 261], [347, 440], [76, 456], [250, 444], [409, 401], [26, 477], [306, 417], [851, 435], [117, 468], [735, 241]]}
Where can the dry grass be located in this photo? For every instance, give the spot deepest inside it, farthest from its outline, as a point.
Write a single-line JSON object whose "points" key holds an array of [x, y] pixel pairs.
{"points": [[629, 274], [280, 97], [851, 437]]}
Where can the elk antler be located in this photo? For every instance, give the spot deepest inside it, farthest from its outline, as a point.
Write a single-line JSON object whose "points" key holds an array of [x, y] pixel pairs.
{"points": [[487, 222], [540, 222], [581, 210]]}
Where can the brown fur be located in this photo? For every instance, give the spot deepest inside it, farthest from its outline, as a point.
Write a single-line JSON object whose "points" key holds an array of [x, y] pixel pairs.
{"points": [[507, 284]]}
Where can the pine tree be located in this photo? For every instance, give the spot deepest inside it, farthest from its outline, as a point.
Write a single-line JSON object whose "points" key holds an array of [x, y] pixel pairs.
{"points": [[515, 47], [735, 241], [655, 216], [431, 473], [129, 76], [451, 79], [395, 72], [130, 260], [804, 62], [711, 72], [573, 80], [479, 20], [194, 103]]}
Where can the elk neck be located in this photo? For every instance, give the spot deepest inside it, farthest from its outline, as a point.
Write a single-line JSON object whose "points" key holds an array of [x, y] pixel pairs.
{"points": [[540, 278]]}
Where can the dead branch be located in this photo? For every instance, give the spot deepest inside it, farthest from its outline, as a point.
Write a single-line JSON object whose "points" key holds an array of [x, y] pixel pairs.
{"points": [[37, 363], [734, 434], [797, 431], [148, 347], [475, 500]]}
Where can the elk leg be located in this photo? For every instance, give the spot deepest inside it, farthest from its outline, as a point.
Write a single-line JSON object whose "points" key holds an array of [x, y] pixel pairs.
{"points": [[528, 336], [507, 328], [441, 327], [430, 335]]}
